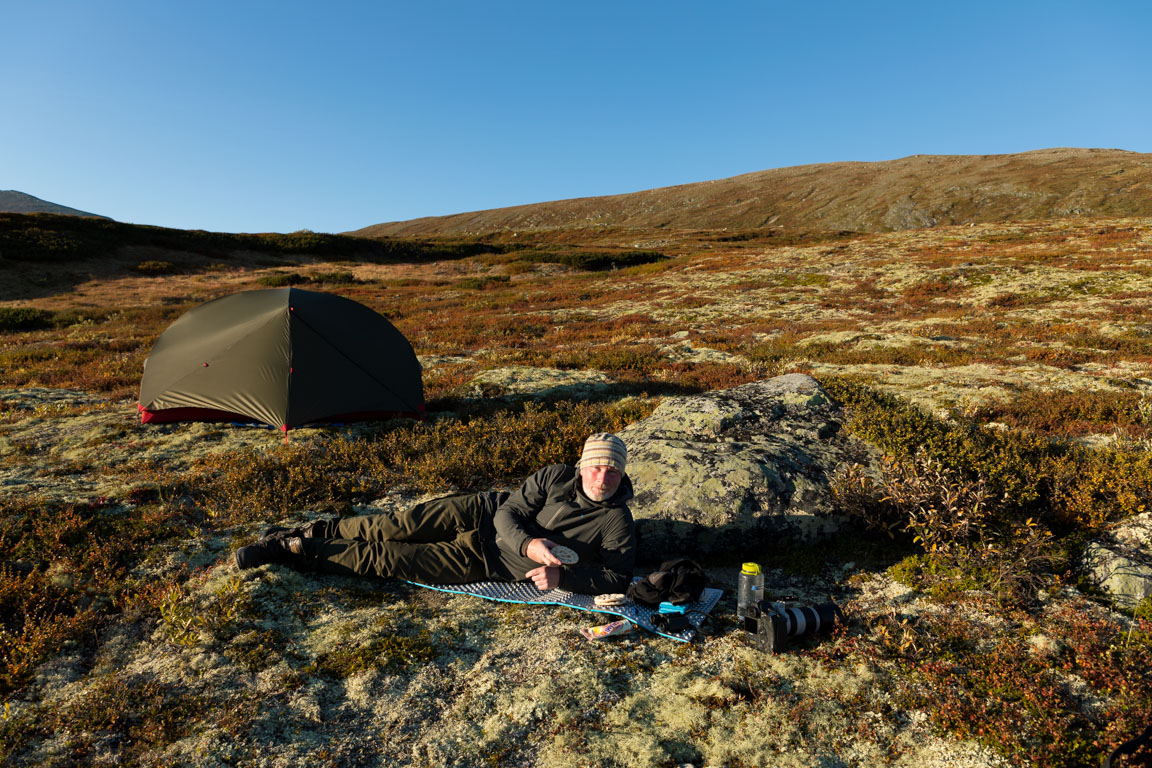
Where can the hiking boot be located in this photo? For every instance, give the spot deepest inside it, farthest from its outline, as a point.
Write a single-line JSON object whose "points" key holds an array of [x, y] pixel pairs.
{"points": [[280, 532], [280, 551]]}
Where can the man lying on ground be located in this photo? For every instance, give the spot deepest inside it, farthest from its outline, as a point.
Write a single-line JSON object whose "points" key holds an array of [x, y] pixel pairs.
{"points": [[493, 536]]}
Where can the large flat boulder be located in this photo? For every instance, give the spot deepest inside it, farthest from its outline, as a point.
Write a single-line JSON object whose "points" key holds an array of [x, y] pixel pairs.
{"points": [[736, 469], [1120, 563]]}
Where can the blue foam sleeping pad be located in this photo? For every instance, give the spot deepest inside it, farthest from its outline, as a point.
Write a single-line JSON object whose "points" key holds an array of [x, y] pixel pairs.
{"points": [[526, 593]]}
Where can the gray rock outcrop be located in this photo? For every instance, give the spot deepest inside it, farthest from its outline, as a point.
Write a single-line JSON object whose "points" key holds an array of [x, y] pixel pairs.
{"points": [[1121, 563], [519, 382], [735, 469]]}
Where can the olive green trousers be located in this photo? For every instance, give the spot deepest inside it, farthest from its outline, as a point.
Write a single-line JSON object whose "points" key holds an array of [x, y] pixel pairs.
{"points": [[436, 542]]}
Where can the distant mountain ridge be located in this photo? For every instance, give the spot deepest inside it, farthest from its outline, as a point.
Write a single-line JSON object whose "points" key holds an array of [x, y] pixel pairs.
{"points": [[12, 201], [912, 192]]}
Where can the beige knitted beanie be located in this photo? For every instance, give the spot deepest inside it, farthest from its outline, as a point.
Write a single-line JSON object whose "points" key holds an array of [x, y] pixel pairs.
{"points": [[603, 450]]}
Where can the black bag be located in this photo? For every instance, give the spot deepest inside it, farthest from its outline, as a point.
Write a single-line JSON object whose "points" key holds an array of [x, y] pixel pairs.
{"points": [[677, 582]]}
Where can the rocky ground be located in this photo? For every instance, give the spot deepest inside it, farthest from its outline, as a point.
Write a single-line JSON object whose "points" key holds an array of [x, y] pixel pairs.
{"points": [[274, 668], [282, 668]]}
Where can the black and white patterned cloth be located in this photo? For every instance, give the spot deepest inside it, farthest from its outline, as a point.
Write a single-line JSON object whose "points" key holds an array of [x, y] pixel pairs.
{"points": [[527, 593]]}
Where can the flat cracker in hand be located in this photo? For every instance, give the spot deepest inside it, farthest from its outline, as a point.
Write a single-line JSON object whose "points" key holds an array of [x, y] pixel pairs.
{"points": [[565, 555]]}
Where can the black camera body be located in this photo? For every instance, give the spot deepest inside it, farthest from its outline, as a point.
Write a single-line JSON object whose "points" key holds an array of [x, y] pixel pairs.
{"points": [[773, 623]]}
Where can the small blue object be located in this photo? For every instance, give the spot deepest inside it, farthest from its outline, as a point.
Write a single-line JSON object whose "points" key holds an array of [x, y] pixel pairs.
{"points": [[667, 607], [641, 615]]}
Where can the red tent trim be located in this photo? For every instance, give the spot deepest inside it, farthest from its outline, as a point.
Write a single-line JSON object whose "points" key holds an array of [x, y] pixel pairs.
{"points": [[210, 414]]}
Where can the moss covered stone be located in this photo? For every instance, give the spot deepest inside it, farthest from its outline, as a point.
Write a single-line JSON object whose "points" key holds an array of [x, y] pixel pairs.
{"points": [[728, 470]]}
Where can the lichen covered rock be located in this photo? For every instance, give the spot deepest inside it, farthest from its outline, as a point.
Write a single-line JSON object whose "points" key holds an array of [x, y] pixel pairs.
{"points": [[1121, 563], [523, 381], [734, 469]]}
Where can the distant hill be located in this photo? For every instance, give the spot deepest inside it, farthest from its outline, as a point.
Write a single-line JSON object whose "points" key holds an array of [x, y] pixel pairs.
{"points": [[44, 254], [12, 201], [912, 192]]}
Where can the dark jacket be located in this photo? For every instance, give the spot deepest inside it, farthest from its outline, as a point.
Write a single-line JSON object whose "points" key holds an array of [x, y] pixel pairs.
{"points": [[551, 504]]}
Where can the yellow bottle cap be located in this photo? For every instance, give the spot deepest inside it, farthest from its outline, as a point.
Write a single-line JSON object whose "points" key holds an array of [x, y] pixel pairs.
{"points": [[751, 568]]}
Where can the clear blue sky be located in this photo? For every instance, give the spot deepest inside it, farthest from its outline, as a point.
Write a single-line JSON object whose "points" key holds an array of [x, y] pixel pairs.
{"points": [[257, 115]]}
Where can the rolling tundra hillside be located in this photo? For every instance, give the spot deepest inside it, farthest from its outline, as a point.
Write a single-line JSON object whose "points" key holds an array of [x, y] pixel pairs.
{"points": [[909, 193], [12, 201], [999, 374]]}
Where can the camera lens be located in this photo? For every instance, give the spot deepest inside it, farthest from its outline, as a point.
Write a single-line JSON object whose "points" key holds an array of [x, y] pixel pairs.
{"points": [[805, 619]]}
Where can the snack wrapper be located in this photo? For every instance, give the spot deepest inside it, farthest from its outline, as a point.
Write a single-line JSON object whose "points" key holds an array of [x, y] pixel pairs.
{"points": [[621, 627]]}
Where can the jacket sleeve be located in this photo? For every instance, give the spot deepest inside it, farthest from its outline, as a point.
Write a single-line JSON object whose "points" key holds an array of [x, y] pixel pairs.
{"points": [[614, 572], [515, 519]]}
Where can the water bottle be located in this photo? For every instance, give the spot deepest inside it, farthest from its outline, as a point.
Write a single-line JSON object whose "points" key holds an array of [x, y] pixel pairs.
{"points": [[750, 588]]}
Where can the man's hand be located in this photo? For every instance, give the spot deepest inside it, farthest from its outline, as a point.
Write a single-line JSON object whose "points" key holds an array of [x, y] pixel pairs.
{"points": [[540, 551], [545, 577]]}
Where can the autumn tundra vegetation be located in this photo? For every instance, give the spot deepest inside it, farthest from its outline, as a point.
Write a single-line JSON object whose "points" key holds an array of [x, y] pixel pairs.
{"points": [[1003, 370]]}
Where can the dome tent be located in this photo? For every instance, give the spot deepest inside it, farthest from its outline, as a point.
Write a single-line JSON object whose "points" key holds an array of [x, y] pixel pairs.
{"points": [[284, 357]]}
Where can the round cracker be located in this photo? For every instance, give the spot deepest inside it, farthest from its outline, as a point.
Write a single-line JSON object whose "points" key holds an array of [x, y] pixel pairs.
{"points": [[565, 555], [607, 601]]}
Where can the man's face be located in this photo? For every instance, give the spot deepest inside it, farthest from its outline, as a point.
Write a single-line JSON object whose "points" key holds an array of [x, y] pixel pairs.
{"points": [[600, 483]]}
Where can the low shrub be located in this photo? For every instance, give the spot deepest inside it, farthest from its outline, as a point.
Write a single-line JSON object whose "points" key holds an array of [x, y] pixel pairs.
{"points": [[160, 714], [779, 238], [283, 279], [155, 268], [183, 621], [470, 454], [707, 376], [594, 260], [482, 282], [24, 318], [932, 289], [336, 278], [1001, 689], [67, 318], [634, 359], [1071, 413], [737, 237], [968, 540], [1062, 485], [40, 616], [65, 568], [392, 652], [98, 365], [35, 242]]}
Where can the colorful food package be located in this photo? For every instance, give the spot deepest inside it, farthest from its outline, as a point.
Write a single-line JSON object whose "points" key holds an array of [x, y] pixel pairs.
{"points": [[621, 627]]}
